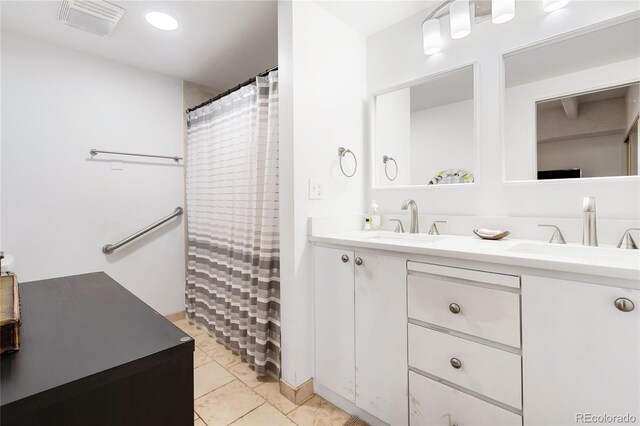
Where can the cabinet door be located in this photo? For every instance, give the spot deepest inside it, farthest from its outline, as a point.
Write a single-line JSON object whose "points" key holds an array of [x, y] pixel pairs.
{"points": [[580, 353], [334, 319], [381, 337]]}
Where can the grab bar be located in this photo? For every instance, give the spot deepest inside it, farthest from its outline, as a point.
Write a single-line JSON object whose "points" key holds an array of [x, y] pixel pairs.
{"points": [[110, 248], [97, 151]]}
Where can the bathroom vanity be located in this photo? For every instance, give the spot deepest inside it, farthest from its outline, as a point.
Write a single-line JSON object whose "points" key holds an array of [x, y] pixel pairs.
{"points": [[452, 330]]}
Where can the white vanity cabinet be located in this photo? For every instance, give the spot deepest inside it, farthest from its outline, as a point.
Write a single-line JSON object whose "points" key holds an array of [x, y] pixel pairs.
{"points": [[381, 337], [334, 319], [464, 346], [424, 340], [361, 330], [581, 354]]}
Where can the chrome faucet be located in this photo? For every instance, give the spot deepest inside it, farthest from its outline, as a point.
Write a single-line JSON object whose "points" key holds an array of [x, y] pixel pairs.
{"points": [[589, 231], [399, 228], [413, 208], [557, 237], [434, 227], [627, 241]]}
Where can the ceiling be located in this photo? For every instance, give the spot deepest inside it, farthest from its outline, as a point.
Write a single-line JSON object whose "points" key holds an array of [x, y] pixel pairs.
{"points": [[218, 45], [601, 95], [369, 17]]}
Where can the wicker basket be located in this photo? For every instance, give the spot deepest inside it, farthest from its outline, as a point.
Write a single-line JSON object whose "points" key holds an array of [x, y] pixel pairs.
{"points": [[9, 314]]}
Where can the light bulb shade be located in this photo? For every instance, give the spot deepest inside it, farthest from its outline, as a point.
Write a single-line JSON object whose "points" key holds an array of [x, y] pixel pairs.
{"points": [[431, 36], [502, 11], [460, 19], [551, 5]]}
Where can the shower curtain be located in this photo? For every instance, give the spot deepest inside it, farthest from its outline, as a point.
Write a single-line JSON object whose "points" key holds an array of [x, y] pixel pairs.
{"points": [[233, 282]]}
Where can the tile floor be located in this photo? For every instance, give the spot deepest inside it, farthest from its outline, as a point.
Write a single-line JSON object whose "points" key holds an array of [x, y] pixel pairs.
{"points": [[228, 392]]}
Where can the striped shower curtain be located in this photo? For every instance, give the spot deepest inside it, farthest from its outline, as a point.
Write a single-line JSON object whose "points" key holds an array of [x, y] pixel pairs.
{"points": [[233, 282]]}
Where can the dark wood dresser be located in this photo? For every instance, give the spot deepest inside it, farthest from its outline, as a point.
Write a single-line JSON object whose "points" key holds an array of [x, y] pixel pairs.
{"points": [[92, 353]]}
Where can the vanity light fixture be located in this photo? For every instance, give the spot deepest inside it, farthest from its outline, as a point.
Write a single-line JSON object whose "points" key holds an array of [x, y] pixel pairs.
{"points": [[551, 5], [459, 12], [431, 36], [502, 11], [460, 19], [162, 21]]}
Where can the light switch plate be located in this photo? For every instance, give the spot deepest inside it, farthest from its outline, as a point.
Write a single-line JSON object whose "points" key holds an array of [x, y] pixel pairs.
{"points": [[316, 191]]}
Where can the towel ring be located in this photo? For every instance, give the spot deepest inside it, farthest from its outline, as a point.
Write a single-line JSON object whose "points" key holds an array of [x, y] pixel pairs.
{"points": [[386, 160], [342, 152]]}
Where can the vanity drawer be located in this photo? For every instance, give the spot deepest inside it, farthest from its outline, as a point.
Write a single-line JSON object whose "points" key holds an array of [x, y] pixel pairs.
{"points": [[505, 280], [488, 371], [483, 312], [434, 404]]}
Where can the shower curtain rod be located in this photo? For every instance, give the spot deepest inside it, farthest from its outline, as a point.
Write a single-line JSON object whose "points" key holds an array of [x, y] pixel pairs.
{"points": [[233, 89]]}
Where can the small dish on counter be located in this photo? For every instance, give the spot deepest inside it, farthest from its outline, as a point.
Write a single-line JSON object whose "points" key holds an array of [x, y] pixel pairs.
{"points": [[490, 234]]}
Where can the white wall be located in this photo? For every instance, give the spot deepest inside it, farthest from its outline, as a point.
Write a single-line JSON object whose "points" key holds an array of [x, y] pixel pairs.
{"points": [[60, 206], [393, 136], [595, 156], [401, 46], [322, 107], [441, 138]]}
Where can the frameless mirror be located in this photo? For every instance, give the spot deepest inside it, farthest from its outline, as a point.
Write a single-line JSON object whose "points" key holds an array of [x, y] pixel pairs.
{"points": [[571, 106], [425, 133]]}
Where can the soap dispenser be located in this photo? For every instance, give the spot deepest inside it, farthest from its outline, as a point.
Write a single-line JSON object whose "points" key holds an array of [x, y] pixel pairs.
{"points": [[374, 216]]}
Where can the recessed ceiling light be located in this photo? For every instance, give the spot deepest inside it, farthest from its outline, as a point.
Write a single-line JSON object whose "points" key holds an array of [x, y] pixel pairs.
{"points": [[162, 21]]}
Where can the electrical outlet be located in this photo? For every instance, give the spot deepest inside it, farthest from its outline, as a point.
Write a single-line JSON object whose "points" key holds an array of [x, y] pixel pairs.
{"points": [[315, 189]]}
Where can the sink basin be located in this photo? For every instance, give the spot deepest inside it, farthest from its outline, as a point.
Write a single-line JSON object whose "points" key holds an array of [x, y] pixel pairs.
{"points": [[585, 253], [396, 237]]}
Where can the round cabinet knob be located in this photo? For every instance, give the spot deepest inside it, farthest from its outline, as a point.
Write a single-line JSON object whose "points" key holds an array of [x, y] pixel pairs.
{"points": [[358, 261], [454, 308], [345, 258], [623, 304], [456, 363]]}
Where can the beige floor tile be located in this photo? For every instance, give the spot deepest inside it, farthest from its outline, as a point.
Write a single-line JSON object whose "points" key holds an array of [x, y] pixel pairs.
{"points": [[206, 342], [199, 422], [227, 404], [249, 377], [318, 412], [208, 377], [190, 329], [200, 357], [271, 392], [264, 415], [224, 356], [195, 416]]}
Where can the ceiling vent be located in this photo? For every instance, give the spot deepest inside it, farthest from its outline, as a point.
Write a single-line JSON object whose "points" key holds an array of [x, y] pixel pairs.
{"points": [[96, 16]]}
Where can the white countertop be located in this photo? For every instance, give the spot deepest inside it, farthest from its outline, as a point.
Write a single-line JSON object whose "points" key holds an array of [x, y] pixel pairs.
{"points": [[603, 261]]}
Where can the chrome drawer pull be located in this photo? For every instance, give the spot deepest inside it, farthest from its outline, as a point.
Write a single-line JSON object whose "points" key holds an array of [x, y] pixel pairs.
{"points": [[454, 308], [345, 258], [455, 363], [623, 304], [358, 261]]}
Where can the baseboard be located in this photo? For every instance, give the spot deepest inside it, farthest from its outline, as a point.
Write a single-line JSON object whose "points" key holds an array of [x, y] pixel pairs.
{"points": [[299, 394], [176, 317], [347, 406]]}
